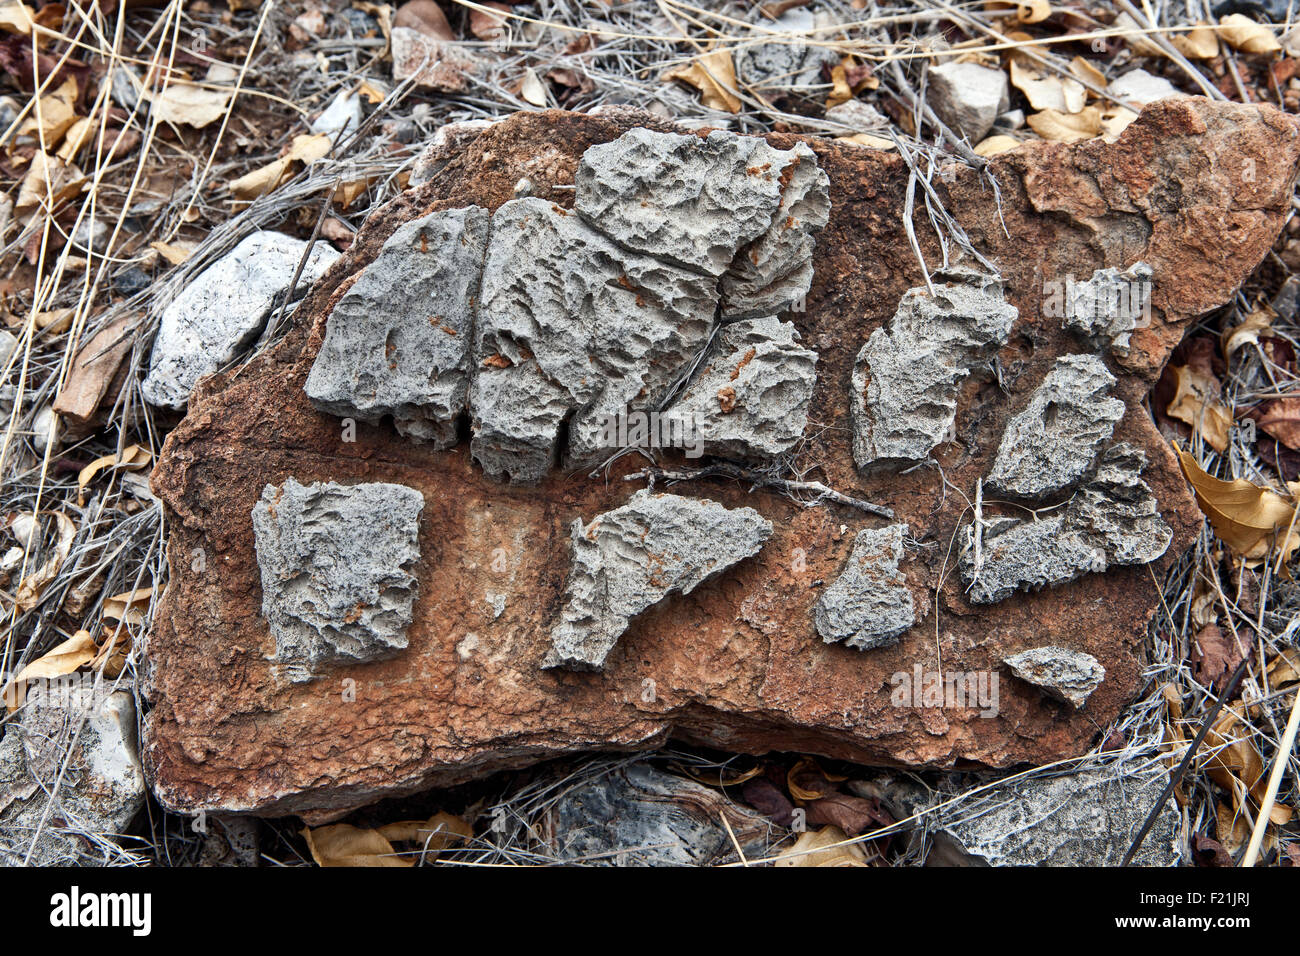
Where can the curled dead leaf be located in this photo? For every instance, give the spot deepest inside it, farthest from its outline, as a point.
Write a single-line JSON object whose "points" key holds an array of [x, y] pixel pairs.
{"points": [[76, 652], [1058, 127], [341, 844], [132, 457], [195, 104], [1027, 11], [714, 75], [1248, 36], [29, 590], [828, 846], [1196, 403], [995, 144], [305, 148], [1258, 322], [1048, 92], [1245, 516], [1198, 43]]}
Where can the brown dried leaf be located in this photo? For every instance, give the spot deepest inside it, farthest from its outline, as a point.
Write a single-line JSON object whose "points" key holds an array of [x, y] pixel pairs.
{"points": [[1196, 403], [819, 848], [29, 591], [1058, 127], [995, 144], [1244, 515], [1027, 11], [1281, 419], [341, 844], [194, 104], [1242, 33], [1199, 43], [93, 370], [1048, 92], [77, 651], [133, 457], [714, 75], [426, 17], [1257, 323], [16, 18]]}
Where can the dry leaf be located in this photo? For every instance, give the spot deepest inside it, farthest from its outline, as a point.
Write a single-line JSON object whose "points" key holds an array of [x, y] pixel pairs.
{"points": [[348, 192], [16, 18], [77, 138], [48, 183], [433, 835], [818, 848], [53, 116], [1284, 669], [1048, 92], [29, 591], [840, 92], [183, 101], [1196, 403], [1058, 127], [133, 457], [866, 139], [424, 16], [1027, 11], [1114, 121], [128, 607], [305, 148], [341, 844], [1135, 36], [1085, 72], [532, 89], [1242, 33], [93, 370], [371, 92], [995, 144], [714, 75], [77, 651], [173, 252], [1248, 332], [56, 320], [1199, 43], [1281, 419], [1244, 515]]}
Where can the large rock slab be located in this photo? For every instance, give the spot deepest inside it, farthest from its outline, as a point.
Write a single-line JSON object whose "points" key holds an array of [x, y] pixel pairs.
{"points": [[737, 663]]}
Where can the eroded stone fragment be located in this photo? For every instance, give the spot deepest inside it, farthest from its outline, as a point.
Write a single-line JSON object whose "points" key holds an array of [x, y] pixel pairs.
{"points": [[869, 605], [398, 342], [788, 64], [907, 376], [1067, 675], [1052, 443], [336, 563], [571, 327], [968, 97], [631, 558], [435, 64], [223, 310], [750, 399], [719, 204], [1107, 308], [1088, 818], [1113, 519]]}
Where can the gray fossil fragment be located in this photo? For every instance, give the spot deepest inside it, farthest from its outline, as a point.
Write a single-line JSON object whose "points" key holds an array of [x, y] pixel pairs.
{"points": [[631, 558], [907, 375], [335, 562], [1106, 309], [398, 342], [1052, 443], [750, 399], [719, 204], [1113, 519], [790, 64], [224, 309], [869, 605], [573, 329], [1067, 675]]}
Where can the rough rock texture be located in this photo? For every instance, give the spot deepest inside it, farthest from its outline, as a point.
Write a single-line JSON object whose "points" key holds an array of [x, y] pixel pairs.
{"points": [[571, 330], [968, 97], [635, 815], [435, 64], [398, 343], [1083, 819], [737, 664], [336, 565], [446, 142], [101, 790], [789, 65], [1106, 309], [1055, 440], [750, 398], [223, 310], [869, 605], [1067, 675], [633, 557], [722, 204], [1113, 520], [908, 376]]}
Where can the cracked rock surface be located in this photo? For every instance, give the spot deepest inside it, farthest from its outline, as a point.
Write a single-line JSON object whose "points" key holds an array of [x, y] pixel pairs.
{"points": [[631, 558], [750, 399], [336, 564], [1067, 675], [1106, 309], [869, 605], [908, 375], [1113, 520], [1052, 443], [737, 663]]}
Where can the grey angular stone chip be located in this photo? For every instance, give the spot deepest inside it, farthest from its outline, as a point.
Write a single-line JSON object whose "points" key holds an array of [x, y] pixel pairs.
{"points": [[1053, 443], [1067, 675], [1106, 309], [907, 376], [572, 327], [335, 563], [750, 399], [631, 558], [869, 605], [968, 97], [398, 341], [1113, 519]]}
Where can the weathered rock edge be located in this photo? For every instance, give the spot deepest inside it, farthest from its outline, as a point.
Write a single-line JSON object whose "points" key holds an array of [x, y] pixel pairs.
{"points": [[737, 664]]}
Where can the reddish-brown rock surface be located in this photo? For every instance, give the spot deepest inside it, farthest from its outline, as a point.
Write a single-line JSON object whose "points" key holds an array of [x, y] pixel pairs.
{"points": [[1195, 189]]}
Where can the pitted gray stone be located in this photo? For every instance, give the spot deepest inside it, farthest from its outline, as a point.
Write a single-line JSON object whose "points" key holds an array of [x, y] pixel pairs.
{"points": [[398, 342], [907, 376], [869, 605], [1067, 675], [1107, 308], [718, 204], [631, 558], [1053, 443], [335, 564], [787, 65], [1113, 519], [573, 327], [750, 399]]}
